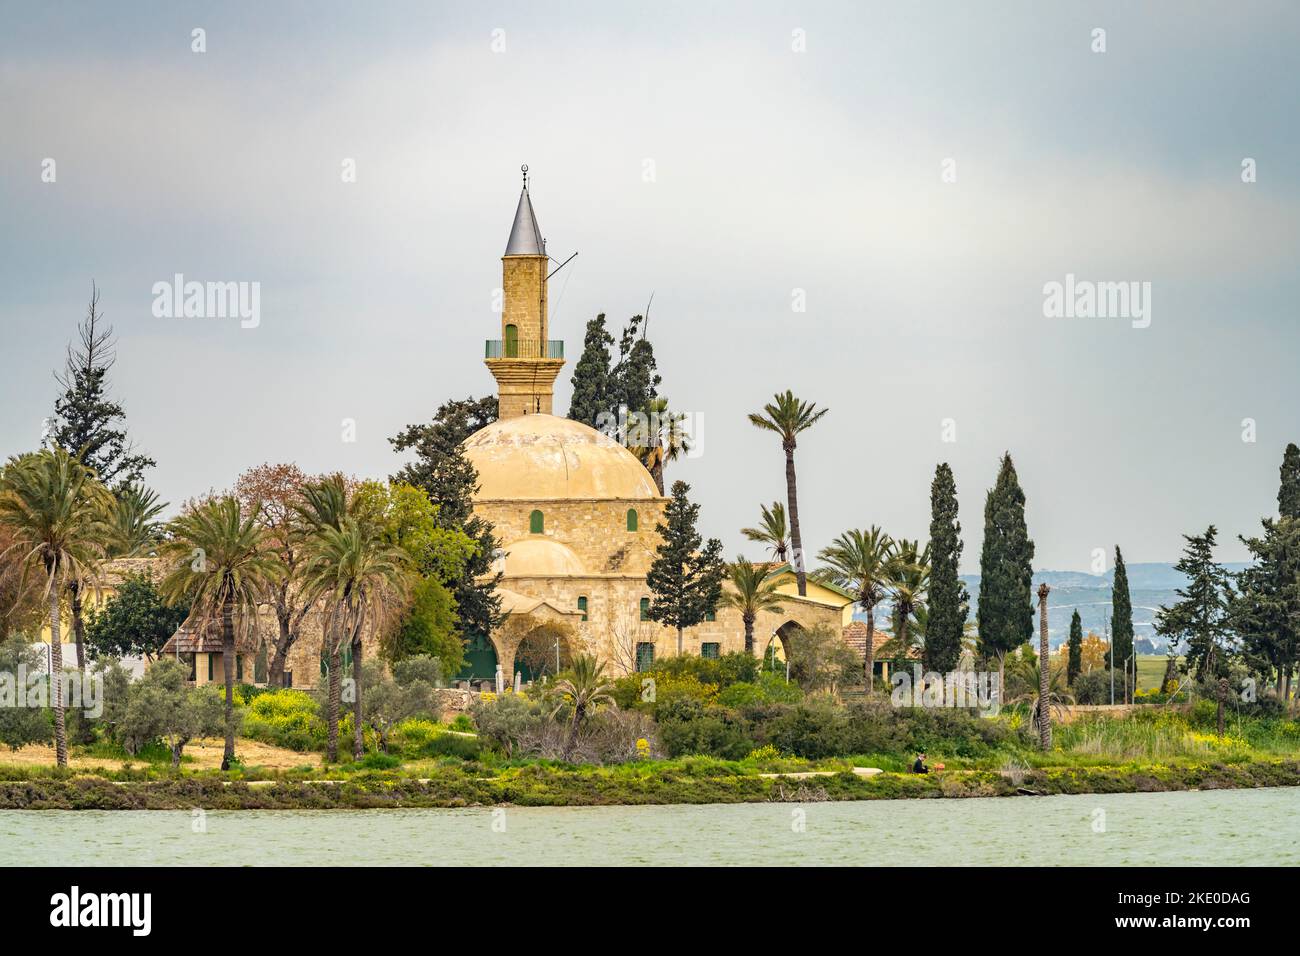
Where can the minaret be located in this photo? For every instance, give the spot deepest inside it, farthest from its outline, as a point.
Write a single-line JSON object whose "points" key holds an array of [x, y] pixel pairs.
{"points": [[524, 363]]}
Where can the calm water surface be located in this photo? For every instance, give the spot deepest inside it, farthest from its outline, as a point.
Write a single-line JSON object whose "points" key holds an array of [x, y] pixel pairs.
{"points": [[1224, 827]]}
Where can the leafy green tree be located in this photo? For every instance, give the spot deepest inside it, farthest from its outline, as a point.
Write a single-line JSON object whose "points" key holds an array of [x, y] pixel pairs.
{"points": [[593, 390], [222, 566], [1200, 620], [789, 417], [389, 701], [751, 594], [429, 628], [134, 622], [1121, 622], [685, 579], [949, 602], [55, 510], [819, 659], [441, 469], [858, 561], [163, 707], [1006, 605], [20, 726], [1288, 492], [1075, 664], [86, 422]]}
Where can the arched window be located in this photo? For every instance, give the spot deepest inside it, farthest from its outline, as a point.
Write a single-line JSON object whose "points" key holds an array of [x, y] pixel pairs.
{"points": [[512, 341], [645, 609], [536, 523], [582, 606], [631, 519]]}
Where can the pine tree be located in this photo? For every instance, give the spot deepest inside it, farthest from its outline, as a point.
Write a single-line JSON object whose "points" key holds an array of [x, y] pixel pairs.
{"points": [[592, 386], [1121, 620], [86, 423], [1006, 605], [1075, 662], [949, 600], [686, 581], [1199, 620], [450, 479], [1288, 494], [1265, 611]]}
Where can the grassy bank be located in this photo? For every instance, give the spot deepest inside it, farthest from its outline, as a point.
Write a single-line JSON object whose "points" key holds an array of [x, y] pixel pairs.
{"points": [[661, 782]]}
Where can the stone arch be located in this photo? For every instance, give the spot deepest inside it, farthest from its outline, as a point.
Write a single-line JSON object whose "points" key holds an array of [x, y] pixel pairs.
{"points": [[783, 635], [526, 644]]}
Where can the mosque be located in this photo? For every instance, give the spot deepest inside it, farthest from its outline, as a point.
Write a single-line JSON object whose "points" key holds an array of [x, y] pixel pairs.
{"points": [[576, 513]]}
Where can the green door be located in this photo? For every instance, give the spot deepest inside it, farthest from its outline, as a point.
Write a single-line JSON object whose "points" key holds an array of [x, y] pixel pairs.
{"points": [[512, 341], [480, 659]]}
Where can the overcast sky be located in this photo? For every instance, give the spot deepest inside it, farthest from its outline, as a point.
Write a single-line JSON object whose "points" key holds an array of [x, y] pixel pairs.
{"points": [[774, 168]]}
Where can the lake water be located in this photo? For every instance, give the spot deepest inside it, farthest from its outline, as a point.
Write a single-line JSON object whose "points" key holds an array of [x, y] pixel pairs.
{"points": [[1223, 827]]}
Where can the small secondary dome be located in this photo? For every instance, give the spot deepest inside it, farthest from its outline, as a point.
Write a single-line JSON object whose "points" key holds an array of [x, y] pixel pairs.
{"points": [[541, 558], [539, 457]]}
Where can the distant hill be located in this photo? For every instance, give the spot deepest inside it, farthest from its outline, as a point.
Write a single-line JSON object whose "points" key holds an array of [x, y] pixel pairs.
{"points": [[1151, 586]]}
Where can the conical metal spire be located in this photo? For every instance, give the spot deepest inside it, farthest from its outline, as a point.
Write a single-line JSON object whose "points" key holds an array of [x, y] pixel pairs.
{"points": [[525, 236]]}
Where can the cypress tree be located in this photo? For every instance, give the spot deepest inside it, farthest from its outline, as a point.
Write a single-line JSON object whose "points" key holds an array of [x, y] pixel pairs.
{"points": [[685, 579], [86, 422], [949, 600], [1288, 493], [1075, 662], [592, 393], [1006, 607], [1121, 618]]}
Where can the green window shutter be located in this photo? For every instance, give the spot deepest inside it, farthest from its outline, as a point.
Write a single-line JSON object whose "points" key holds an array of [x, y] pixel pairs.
{"points": [[645, 656], [710, 650], [631, 519], [582, 606], [536, 523], [209, 667], [645, 610], [512, 341], [710, 615], [239, 667]]}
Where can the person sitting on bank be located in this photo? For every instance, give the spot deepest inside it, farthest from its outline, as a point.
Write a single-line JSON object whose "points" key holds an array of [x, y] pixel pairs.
{"points": [[919, 766]]}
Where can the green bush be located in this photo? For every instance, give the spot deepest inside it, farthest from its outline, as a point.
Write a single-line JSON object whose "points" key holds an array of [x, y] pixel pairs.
{"points": [[285, 718], [767, 689]]}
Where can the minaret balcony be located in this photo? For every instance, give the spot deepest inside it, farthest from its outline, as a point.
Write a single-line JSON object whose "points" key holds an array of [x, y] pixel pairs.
{"points": [[536, 349]]}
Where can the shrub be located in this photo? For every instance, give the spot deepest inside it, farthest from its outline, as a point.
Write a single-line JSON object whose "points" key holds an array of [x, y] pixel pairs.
{"points": [[1094, 687], [767, 689], [285, 718]]}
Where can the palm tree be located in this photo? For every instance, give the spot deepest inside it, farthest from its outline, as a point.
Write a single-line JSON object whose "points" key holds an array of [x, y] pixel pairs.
{"points": [[753, 594], [135, 528], [324, 506], [1044, 663], [55, 508], [908, 580], [664, 440], [788, 416], [585, 688], [223, 565], [771, 531], [362, 577], [858, 561]]}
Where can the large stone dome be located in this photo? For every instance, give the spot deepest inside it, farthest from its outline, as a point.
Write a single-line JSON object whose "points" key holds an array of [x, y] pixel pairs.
{"points": [[541, 557], [534, 457]]}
